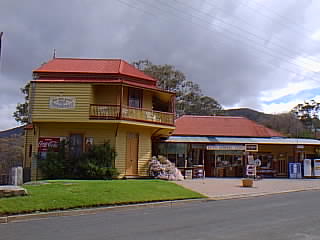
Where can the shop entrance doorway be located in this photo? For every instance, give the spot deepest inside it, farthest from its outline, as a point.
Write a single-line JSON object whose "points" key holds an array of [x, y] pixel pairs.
{"points": [[283, 164], [132, 154], [209, 163]]}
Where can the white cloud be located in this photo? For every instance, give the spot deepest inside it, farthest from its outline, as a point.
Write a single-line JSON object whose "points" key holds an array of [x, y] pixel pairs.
{"points": [[292, 88], [283, 107], [6, 119], [316, 35], [308, 64], [274, 108]]}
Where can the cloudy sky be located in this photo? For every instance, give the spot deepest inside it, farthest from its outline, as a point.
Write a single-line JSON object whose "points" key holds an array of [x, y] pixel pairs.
{"points": [[262, 54]]}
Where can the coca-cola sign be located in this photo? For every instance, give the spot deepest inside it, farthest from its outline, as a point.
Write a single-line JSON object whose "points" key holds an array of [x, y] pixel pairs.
{"points": [[46, 143]]}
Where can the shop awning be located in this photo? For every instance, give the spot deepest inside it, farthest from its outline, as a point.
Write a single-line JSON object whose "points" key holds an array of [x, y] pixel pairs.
{"points": [[244, 140]]}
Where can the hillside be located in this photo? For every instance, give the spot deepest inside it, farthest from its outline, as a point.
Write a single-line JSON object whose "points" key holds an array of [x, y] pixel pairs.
{"points": [[251, 114], [11, 132], [11, 149]]}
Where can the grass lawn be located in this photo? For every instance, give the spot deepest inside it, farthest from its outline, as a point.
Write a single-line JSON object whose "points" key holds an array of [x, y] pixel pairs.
{"points": [[66, 194]]}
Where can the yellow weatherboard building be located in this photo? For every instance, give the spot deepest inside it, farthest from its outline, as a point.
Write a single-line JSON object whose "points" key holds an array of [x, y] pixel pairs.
{"points": [[92, 101]]}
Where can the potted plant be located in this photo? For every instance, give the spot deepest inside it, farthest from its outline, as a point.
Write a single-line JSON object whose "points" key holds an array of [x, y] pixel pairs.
{"points": [[247, 182]]}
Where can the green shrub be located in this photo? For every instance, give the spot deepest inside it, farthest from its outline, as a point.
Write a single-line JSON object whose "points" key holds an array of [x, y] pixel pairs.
{"points": [[54, 164], [97, 163]]}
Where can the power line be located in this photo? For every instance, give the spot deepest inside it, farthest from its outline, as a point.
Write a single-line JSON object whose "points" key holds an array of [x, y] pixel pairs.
{"points": [[294, 24], [264, 49], [288, 70], [256, 36], [312, 58], [296, 29]]}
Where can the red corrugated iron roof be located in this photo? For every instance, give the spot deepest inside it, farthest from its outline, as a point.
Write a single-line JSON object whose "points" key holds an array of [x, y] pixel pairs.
{"points": [[92, 66], [28, 126], [221, 126]]}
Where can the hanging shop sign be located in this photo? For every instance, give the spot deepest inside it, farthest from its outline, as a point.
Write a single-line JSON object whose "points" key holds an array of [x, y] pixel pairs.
{"points": [[62, 102], [226, 147], [251, 147], [48, 143]]}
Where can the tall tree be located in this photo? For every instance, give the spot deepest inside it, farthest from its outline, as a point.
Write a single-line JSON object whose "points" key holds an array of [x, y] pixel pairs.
{"points": [[22, 109], [189, 97], [308, 114]]}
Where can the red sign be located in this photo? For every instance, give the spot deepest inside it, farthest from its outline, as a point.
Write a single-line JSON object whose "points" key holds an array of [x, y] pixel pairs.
{"points": [[46, 143]]}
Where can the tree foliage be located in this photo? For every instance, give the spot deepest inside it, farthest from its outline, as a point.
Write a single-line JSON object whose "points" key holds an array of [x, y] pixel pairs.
{"points": [[287, 124], [189, 97], [22, 109], [308, 113]]}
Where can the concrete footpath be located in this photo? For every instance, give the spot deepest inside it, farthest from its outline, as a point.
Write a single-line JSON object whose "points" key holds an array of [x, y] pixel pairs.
{"points": [[229, 188]]}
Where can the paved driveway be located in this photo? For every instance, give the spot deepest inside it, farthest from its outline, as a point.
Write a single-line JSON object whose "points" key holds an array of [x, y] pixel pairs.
{"points": [[231, 187]]}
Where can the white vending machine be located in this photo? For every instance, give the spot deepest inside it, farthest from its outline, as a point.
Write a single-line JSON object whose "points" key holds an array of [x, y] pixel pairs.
{"points": [[316, 167], [307, 169]]}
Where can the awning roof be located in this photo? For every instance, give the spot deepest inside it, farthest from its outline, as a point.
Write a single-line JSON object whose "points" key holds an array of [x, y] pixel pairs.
{"points": [[243, 140]]}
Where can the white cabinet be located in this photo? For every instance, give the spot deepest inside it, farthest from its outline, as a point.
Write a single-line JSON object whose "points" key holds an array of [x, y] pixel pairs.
{"points": [[307, 170]]}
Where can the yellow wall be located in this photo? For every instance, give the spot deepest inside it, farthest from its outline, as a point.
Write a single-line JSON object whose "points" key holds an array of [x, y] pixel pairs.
{"points": [[144, 148], [63, 122], [29, 140], [125, 96], [43, 92], [147, 100], [145, 151], [104, 94], [101, 133], [84, 94]]}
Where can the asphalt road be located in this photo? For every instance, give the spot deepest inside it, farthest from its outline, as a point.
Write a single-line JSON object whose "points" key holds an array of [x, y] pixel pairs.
{"points": [[286, 216]]}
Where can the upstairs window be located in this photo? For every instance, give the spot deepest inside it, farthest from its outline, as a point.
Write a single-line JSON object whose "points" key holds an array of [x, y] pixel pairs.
{"points": [[135, 98]]}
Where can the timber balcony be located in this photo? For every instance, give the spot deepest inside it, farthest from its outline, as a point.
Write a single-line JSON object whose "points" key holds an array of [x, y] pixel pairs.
{"points": [[117, 112]]}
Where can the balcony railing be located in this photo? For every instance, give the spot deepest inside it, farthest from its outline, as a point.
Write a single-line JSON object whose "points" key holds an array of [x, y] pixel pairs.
{"points": [[107, 112]]}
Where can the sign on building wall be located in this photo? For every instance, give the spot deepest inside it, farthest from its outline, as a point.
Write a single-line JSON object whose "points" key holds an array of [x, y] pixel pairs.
{"points": [[46, 143], [62, 102], [251, 147], [238, 147]]}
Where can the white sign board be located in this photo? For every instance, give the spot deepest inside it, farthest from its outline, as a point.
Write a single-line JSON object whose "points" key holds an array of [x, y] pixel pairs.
{"points": [[307, 168], [62, 102], [226, 147], [316, 167], [250, 160], [251, 147]]}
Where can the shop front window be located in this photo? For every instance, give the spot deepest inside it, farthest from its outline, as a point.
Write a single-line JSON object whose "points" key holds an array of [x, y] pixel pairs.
{"points": [[177, 154], [228, 159], [181, 150], [160, 149], [196, 154], [265, 158]]}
